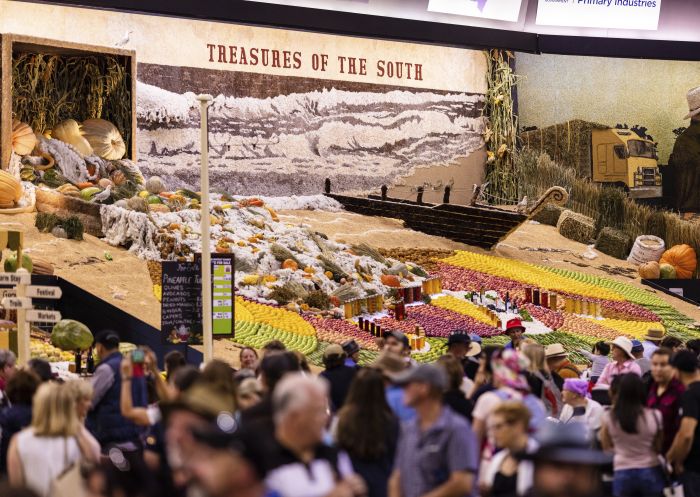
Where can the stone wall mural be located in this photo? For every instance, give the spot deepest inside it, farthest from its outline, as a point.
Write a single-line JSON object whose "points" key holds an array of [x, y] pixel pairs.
{"points": [[278, 140]]}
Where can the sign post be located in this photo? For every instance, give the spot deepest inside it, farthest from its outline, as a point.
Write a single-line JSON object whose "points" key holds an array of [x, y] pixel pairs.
{"points": [[204, 103]]}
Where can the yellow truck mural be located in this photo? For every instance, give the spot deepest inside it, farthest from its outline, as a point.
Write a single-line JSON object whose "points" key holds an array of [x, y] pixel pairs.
{"points": [[613, 156]]}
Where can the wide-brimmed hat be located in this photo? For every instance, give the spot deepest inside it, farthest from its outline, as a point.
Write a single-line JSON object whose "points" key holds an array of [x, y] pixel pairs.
{"points": [[463, 337], [514, 324], [568, 444], [390, 365], [655, 335], [625, 344], [555, 350], [693, 103]]}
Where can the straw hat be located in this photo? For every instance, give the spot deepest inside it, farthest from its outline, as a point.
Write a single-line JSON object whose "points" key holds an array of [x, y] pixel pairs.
{"points": [[693, 103], [625, 344], [555, 350], [654, 335]]}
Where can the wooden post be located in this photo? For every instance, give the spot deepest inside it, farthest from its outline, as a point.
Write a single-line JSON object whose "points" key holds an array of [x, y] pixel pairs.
{"points": [[327, 185], [384, 190], [446, 196], [204, 103], [419, 199], [23, 327]]}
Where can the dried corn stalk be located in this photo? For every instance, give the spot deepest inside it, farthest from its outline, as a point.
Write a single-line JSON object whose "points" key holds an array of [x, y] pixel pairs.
{"points": [[369, 251]]}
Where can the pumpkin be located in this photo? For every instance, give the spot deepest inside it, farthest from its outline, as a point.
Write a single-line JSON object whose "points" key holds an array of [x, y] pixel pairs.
{"points": [[668, 272], [10, 189], [155, 185], [23, 138], [69, 132], [290, 264], [309, 270], [328, 275], [683, 259], [118, 178], [650, 270], [390, 280], [269, 278], [104, 138]]}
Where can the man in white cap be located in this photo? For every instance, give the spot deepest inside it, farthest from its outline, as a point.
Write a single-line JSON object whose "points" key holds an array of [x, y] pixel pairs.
{"points": [[685, 159], [623, 362]]}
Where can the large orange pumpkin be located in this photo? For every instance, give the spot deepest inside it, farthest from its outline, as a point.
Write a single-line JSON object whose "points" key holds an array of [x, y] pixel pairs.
{"points": [[683, 259]]}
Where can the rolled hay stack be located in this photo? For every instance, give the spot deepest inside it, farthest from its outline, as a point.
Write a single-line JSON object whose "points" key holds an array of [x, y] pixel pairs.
{"points": [[575, 226], [613, 242], [549, 215]]}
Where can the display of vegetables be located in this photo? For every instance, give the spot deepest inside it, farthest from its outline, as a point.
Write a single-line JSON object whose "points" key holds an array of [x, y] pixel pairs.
{"points": [[69, 335], [683, 259]]}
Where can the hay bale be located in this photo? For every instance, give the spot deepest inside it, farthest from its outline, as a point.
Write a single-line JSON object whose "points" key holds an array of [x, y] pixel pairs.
{"points": [[613, 242], [576, 227], [549, 215]]}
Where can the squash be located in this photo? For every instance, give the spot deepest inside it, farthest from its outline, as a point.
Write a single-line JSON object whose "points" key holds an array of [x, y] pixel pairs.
{"points": [[328, 275], [250, 279], [390, 280], [10, 265], [269, 278], [23, 138], [69, 131], [290, 264], [650, 271], [668, 272], [118, 177], [162, 208], [10, 188], [155, 185], [309, 270], [683, 258], [104, 138]]}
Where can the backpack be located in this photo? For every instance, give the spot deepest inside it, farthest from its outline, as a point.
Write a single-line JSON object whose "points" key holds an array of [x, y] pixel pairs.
{"points": [[551, 395]]}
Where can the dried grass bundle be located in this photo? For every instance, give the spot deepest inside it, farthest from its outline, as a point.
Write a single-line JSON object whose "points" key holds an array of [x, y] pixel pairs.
{"points": [[614, 242]]}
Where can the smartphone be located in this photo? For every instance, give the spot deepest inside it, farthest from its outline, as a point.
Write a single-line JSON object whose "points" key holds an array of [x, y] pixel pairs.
{"points": [[137, 359]]}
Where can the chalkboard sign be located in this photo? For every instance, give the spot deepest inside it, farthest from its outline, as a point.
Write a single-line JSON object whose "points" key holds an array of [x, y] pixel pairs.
{"points": [[181, 303]]}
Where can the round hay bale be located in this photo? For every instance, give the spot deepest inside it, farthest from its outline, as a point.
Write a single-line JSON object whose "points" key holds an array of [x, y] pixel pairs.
{"points": [[613, 242], [576, 227], [647, 248], [549, 215]]}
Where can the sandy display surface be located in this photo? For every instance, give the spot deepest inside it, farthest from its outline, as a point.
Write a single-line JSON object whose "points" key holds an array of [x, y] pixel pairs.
{"points": [[124, 281]]}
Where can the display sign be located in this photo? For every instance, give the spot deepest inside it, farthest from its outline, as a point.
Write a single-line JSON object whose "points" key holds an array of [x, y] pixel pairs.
{"points": [[16, 303], [15, 278], [222, 300], [44, 292], [502, 10], [609, 14], [43, 316], [181, 303]]}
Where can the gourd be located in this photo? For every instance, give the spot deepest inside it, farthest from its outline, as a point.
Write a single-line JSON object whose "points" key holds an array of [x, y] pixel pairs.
{"points": [[155, 185], [23, 138], [683, 259], [650, 270], [68, 335], [69, 132], [309, 270], [162, 208], [42, 267], [668, 272], [104, 138], [390, 280], [118, 178], [290, 264], [10, 265], [10, 189]]}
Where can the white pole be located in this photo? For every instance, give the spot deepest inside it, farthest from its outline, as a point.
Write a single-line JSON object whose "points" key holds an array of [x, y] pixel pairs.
{"points": [[204, 103], [23, 327]]}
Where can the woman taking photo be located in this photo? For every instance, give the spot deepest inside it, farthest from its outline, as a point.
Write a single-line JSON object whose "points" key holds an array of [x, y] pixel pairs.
{"points": [[54, 441], [506, 475], [368, 430], [633, 432]]}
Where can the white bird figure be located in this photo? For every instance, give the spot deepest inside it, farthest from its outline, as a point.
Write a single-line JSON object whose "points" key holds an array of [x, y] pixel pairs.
{"points": [[124, 40], [103, 195]]}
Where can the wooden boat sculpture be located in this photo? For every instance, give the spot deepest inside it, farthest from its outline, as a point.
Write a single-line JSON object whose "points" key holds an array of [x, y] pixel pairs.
{"points": [[477, 224]]}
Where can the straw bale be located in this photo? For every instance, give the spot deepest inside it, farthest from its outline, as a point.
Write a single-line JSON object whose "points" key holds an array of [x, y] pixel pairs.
{"points": [[549, 215], [613, 242], [576, 226]]}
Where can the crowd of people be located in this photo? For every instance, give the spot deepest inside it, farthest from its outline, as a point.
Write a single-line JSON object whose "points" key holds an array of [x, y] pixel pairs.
{"points": [[518, 420]]}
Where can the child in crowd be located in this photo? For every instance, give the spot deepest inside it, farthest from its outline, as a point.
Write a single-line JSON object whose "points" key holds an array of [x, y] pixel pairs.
{"points": [[599, 359]]}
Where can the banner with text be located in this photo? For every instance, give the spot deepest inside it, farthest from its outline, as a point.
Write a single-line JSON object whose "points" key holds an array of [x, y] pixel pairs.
{"points": [[609, 14], [502, 10]]}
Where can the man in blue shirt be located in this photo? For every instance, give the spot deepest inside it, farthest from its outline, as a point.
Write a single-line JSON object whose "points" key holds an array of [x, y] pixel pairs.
{"points": [[390, 366], [352, 352], [437, 452]]}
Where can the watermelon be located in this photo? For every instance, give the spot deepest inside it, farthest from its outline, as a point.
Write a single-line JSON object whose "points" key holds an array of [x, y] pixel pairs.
{"points": [[71, 335], [668, 272], [11, 263]]}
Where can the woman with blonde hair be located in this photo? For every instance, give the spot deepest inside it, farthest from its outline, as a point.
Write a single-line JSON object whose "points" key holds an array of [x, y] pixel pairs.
{"points": [[82, 393], [54, 441], [540, 379]]}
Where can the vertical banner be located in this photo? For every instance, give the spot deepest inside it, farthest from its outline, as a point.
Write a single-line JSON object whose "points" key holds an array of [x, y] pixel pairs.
{"points": [[222, 300]]}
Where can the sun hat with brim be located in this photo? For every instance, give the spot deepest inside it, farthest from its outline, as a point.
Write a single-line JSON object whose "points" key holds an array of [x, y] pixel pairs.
{"points": [[567, 444], [555, 350], [514, 324], [462, 337], [625, 344], [202, 400], [693, 103], [430, 374], [333, 350], [654, 335], [390, 365]]}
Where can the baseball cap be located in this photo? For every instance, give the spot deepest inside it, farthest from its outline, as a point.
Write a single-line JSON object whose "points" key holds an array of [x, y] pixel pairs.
{"points": [[459, 336], [637, 346], [475, 338], [685, 361], [431, 374]]}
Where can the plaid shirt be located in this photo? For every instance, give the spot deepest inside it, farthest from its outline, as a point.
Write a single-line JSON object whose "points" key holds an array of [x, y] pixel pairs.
{"points": [[668, 403]]}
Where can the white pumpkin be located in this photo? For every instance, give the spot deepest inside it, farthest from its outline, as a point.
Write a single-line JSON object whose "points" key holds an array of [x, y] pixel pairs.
{"points": [[104, 138], [69, 132]]}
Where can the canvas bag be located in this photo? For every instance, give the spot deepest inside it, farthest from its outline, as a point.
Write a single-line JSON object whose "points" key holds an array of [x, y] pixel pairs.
{"points": [[70, 483]]}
